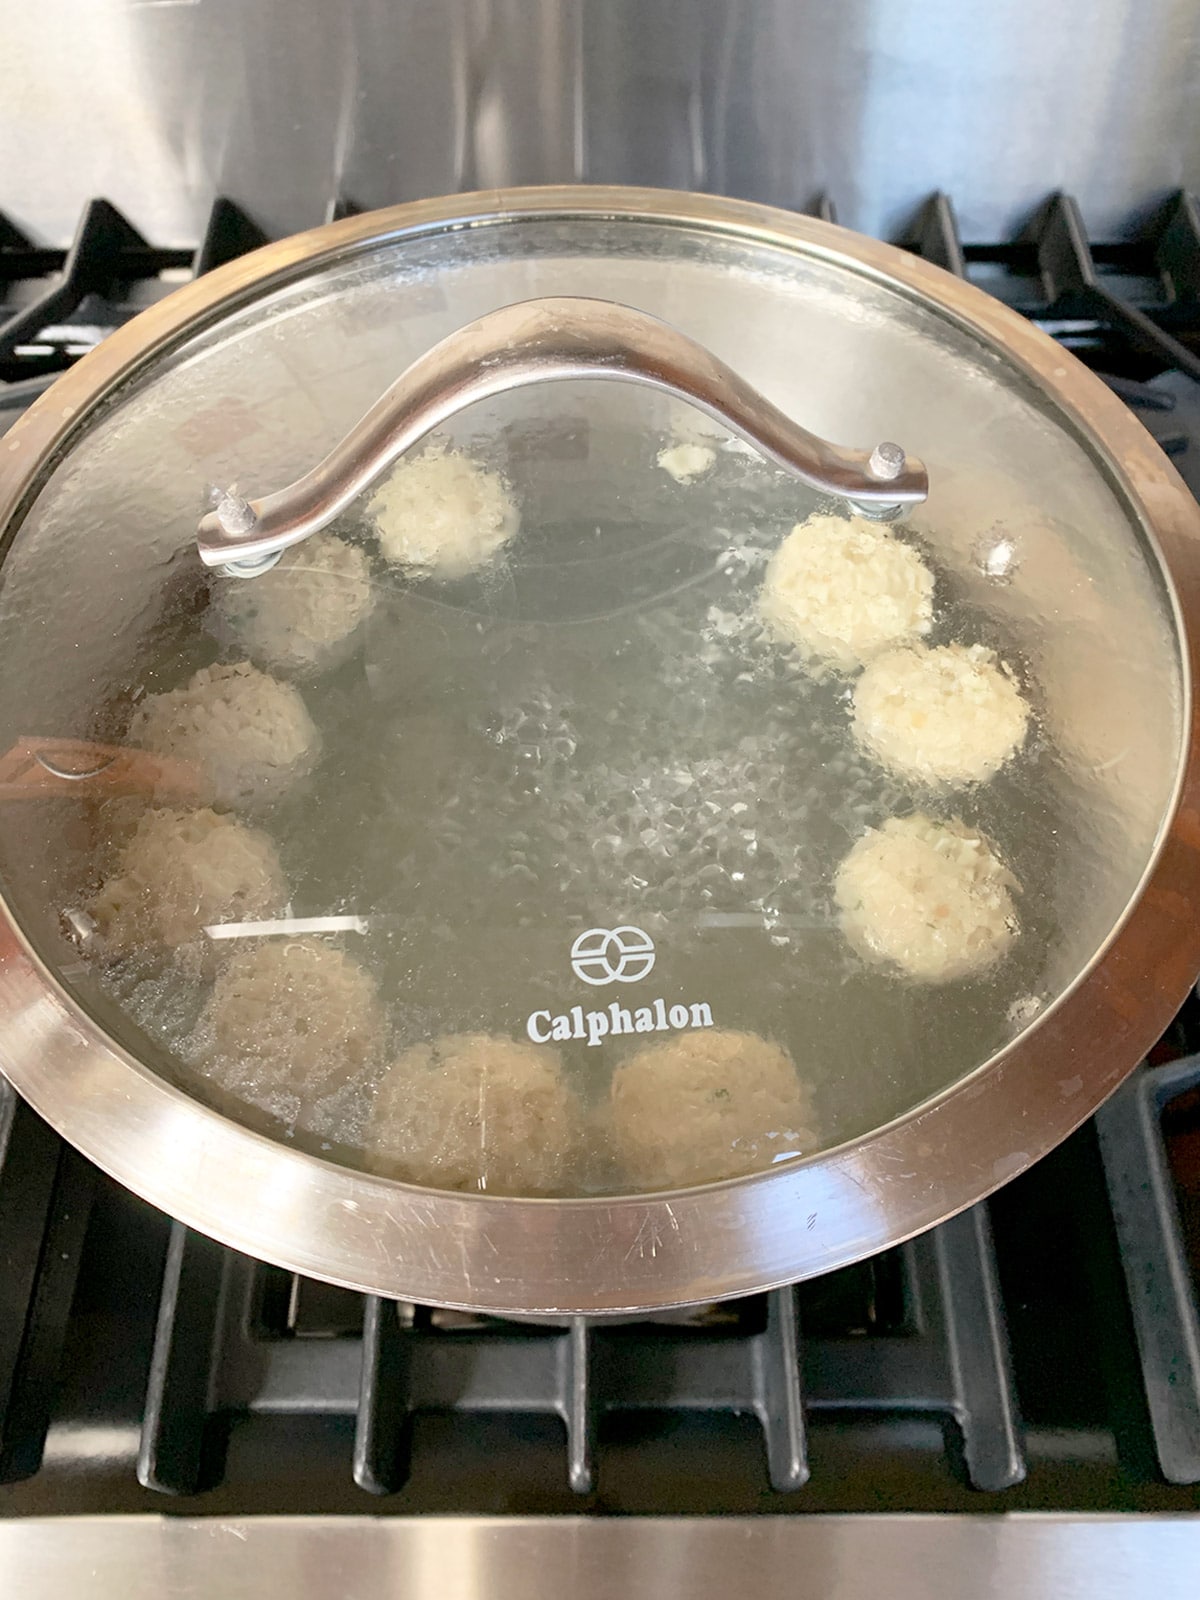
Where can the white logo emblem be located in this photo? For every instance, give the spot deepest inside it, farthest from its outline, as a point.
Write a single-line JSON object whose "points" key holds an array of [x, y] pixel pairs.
{"points": [[613, 955]]}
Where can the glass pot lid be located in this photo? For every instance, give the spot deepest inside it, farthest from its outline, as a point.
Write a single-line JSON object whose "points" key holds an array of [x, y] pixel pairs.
{"points": [[589, 806]]}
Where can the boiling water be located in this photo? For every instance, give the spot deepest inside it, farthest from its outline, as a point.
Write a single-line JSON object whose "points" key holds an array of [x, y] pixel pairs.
{"points": [[598, 734]]}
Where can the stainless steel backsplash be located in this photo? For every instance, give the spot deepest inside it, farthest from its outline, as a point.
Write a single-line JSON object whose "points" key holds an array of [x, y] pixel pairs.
{"points": [[286, 105]]}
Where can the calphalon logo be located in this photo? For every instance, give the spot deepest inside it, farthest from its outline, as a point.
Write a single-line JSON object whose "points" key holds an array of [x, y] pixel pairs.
{"points": [[614, 955]]}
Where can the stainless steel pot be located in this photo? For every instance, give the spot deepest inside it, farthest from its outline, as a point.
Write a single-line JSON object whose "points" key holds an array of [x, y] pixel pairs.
{"points": [[1050, 508]]}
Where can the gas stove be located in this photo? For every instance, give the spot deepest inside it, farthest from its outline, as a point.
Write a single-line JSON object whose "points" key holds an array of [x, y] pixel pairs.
{"points": [[1035, 1360]]}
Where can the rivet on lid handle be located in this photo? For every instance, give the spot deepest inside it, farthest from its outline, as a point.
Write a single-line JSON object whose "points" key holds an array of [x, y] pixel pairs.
{"points": [[544, 341]]}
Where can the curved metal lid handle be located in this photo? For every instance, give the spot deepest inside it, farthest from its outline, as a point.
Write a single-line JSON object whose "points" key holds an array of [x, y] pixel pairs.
{"points": [[540, 341]]}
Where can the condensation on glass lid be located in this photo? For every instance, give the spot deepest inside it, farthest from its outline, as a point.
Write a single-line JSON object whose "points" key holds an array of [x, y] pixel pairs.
{"points": [[324, 1038], [663, 896]]}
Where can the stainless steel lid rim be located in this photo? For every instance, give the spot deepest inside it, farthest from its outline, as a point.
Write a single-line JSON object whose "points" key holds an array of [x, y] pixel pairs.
{"points": [[624, 1254]]}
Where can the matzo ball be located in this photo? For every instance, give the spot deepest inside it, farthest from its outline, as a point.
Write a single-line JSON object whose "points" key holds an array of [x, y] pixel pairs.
{"points": [[950, 715], [182, 871], [294, 616], [470, 1111], [291, 1017], [250, 733], [927, 897], [708, 1104], [443, 514], [843, 589]]}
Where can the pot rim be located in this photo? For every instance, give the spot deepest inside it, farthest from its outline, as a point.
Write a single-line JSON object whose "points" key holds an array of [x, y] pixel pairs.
{"points": [[610, 1254]]}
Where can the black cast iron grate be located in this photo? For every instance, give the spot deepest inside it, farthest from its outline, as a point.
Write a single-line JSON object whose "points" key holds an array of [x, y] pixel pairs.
{"points": [[214, 1352]]}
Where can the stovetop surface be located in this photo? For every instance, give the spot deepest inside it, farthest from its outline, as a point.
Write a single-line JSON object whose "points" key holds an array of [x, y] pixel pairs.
{"points": [[1041, 1352]]}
